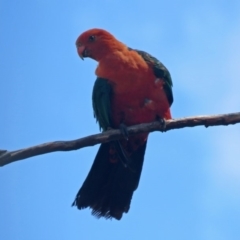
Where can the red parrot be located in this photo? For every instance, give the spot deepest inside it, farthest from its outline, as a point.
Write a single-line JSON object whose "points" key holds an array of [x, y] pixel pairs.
{"points": [[132, 87]]}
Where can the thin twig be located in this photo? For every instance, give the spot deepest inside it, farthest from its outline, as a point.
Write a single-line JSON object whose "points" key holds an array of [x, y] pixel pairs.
{"points": [[7, 157]]}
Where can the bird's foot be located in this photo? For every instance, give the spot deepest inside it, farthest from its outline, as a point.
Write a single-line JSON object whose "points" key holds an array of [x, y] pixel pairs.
{"points": [[162, 122]]}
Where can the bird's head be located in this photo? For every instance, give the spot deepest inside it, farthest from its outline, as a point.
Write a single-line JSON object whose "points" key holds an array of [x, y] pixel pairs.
{"points": [[95, 43]]}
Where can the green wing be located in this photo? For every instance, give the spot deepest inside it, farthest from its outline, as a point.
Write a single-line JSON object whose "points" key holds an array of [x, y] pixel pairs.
{"points": [[101, 99], [160, 71]]}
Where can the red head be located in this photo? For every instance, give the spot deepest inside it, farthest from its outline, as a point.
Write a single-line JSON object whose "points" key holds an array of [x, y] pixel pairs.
{"points": [[96, 43]]}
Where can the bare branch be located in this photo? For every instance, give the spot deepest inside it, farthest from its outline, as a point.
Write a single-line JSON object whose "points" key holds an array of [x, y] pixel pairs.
{"points": [[7, 157]]}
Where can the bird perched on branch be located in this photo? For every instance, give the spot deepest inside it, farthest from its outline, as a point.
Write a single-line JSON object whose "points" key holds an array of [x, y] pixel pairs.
{"points": [[132, 87]]}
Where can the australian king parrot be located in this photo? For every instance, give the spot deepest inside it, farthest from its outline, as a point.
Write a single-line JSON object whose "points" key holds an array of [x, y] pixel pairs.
{"points": [[132, 87]]}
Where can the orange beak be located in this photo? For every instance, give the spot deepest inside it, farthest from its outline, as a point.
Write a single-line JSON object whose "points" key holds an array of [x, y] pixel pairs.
{"points": [[80, 50]]}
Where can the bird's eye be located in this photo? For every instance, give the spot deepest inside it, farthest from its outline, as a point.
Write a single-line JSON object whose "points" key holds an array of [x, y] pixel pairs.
{"points": [[91, 38]]}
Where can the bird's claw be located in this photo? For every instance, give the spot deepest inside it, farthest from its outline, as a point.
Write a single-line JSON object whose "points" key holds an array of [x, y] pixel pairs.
{"points": [[163, 123]]}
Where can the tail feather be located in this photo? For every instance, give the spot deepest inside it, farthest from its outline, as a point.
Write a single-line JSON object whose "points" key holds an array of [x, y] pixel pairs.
{"points": [[109, 186]]}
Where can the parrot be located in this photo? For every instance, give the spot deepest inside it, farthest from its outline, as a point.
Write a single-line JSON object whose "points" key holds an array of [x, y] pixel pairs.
{"points": [[131, 87]]}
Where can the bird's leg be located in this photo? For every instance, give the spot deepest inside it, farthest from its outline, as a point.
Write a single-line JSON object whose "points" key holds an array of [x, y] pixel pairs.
{"points": [[162, 121]]}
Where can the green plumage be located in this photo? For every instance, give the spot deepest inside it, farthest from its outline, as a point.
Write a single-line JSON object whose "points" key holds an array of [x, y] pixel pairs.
{"points": [[101, 100]]}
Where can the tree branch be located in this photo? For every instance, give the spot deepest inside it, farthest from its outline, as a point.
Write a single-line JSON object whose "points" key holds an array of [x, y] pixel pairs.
{"points": [[7, 157]]}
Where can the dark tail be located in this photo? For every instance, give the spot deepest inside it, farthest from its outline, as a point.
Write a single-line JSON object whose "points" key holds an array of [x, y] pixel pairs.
{"points": [[109, 186]]}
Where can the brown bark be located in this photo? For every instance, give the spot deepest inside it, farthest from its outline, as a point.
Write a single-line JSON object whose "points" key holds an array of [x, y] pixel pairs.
{"points": [[7, 157]]}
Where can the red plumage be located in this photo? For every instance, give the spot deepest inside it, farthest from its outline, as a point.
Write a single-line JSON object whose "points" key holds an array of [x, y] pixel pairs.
{"points": [[140, 89]]}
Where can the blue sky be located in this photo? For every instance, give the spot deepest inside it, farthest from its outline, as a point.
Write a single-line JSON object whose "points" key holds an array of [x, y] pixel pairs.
{"points": [[190, 184]]}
